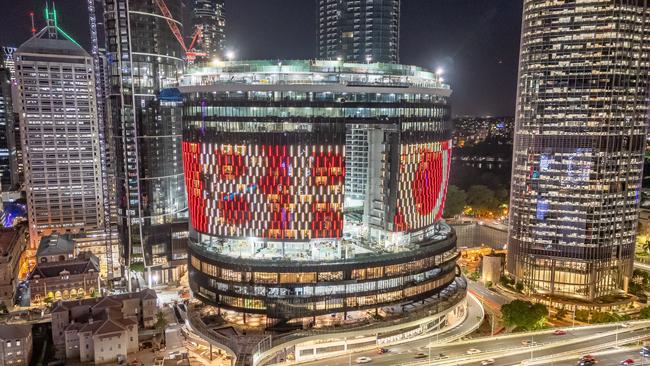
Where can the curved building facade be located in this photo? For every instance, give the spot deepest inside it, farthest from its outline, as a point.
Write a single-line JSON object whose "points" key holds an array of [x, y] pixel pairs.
{"points": [[270, 150], [580, 137]]}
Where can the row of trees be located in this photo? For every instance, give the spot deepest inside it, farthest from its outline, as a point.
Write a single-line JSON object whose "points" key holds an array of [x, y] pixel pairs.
{"points": [[482, 200]]}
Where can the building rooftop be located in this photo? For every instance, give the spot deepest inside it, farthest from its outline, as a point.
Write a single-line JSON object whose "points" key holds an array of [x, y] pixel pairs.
{"points": [[104, 302], [314, 72], [55, 245], [14, 331], [9, 237], [73, 267], [47, 46]]}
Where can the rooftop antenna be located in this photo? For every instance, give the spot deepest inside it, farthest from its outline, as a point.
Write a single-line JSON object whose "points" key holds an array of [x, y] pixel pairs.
{"points": [[31, 15], [50, 21]]}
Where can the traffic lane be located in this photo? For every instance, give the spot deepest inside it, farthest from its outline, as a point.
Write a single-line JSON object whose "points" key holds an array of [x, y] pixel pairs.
{"points": [[408, 351], [611, 359], [483, 292], [508, 360]]}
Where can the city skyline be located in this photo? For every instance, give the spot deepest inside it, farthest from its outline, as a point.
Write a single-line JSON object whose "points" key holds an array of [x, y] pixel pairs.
{"points": [[475, 41], [270, 182]]}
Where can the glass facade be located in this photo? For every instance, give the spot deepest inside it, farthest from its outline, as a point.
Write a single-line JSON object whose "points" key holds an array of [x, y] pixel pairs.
{"points": [[7, 176], [144, 58], [581, 124], [267, 159], [210, 15], [359, 30]]}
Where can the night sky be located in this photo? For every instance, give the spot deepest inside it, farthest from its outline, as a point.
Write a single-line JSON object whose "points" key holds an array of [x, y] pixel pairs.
{"points": [[476, 42]]}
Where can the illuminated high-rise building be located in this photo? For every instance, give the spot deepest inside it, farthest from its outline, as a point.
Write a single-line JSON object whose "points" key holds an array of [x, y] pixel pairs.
{"points": [[10, 106], [265, 150], [581, 123], [8, 176], [144, 56], [58, 124], [359, 30], [210, 16]]}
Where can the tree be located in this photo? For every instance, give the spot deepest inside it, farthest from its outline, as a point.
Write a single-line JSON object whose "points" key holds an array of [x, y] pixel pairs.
{"points": [[524, 314], [161, 321], [561, 313], [645, 313], [456, 201], [137, 267], [482, 200], [474, 276], [582, 315]]}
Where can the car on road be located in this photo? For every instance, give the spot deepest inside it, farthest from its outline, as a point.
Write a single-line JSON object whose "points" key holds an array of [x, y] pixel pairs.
{"points": [[487, 362], [625, 325], [421, 355], [473, 351], [527, 342], [442, 356], [382, 350], [628, 362], [645, 351], [559, 332], [363, 359], [587, 360]]}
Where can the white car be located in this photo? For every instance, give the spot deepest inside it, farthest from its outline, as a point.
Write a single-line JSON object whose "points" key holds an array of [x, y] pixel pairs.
{"points": [[363, 359], [473, 351], [487, 362]]}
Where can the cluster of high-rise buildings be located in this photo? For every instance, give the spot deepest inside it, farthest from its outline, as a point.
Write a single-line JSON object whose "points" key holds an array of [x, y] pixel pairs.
{"points": [[292, 189]]}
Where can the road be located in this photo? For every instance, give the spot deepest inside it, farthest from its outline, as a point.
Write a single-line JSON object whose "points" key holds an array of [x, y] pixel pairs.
{"points": [[611, 358], [594, 341], [457, 351], [484, 294]]}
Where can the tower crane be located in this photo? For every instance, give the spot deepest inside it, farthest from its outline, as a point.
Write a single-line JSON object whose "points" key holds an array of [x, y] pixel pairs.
{"points": [[190, 52]]}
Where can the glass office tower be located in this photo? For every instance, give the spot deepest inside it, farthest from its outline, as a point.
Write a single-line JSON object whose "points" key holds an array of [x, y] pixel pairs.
{"points": [[210, 15], [145, 57], [581, 124], [359, 30], [265, 150]]}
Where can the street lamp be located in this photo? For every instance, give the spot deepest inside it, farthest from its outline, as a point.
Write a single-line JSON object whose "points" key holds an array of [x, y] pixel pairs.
{"points": [[230, 55]]}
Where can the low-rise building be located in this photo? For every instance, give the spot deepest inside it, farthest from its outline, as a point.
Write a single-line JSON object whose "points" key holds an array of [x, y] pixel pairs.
{"points": [[100, 329], [67, 279], [12, 245], [15, 344]]}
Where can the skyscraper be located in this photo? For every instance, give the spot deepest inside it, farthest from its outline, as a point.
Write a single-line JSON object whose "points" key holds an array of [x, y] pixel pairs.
{"points": [[108, 233], [210, 15], [144, 57], [11, 106], [60, 134], [359, 30], [581, 122], [8, 177]]}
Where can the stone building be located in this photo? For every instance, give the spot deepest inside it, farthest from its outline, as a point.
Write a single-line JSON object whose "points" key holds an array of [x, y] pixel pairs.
{"points": [[15, 344], [100, 329], [12, 245], [67, 280]]}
